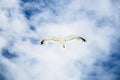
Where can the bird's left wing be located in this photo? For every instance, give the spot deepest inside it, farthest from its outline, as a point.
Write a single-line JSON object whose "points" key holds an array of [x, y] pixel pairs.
{"points": [[71, 37]]}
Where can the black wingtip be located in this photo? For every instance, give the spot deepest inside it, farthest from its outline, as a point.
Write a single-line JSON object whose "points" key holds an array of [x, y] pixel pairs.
{"points": [[42, 42], [83, 39]]}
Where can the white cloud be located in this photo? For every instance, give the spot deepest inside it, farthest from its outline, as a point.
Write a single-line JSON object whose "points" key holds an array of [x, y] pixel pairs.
{"points": [[52, 62]]}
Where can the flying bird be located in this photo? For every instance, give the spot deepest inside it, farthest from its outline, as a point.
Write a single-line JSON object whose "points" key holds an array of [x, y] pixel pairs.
{"points": [[61, 39]]}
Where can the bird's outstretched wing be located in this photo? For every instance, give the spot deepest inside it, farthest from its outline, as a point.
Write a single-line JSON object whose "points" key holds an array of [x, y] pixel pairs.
{"points": [[51, 38], [71, 37]]}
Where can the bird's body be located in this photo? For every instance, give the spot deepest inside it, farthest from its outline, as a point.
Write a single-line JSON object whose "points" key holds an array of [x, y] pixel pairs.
{"points": [[61, 39]]}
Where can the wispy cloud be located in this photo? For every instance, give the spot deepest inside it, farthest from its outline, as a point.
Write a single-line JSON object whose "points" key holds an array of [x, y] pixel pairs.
{"points": [[23, 24]]}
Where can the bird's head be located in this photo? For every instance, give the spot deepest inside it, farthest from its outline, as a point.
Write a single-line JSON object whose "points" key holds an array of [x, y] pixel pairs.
{"points": [[43, 42]]}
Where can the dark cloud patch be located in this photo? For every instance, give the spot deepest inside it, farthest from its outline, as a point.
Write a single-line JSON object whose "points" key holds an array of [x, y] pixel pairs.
{"points": [[55, 6], [31, 39], [33, 7], [116, 2], [104, 21], [31, 1], [7, 54], [111, 66], [2, 77], [33, 28], [103, 69], [91, 14], [9, 12], [3, 71], [1, 29], [92, 76], [34, 41], [30, 12], [115, 60], [88, 73]]}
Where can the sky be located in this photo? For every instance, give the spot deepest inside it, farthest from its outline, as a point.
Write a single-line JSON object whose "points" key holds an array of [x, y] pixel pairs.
{"points": [[24, 23]]}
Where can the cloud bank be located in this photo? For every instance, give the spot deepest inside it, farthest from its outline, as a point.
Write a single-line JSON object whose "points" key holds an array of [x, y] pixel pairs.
{"points": [[24, 23]]}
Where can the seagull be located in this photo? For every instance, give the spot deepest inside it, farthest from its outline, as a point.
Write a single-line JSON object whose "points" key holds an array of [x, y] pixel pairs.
{"points": [[61, 39]]}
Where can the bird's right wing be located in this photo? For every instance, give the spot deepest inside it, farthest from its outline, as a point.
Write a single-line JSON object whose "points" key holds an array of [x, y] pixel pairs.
{"points": [[49, 39], [52, 38]]}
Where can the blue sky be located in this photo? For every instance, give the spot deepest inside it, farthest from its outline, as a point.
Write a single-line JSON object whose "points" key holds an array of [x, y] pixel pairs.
{"points": [[24, 23]]}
